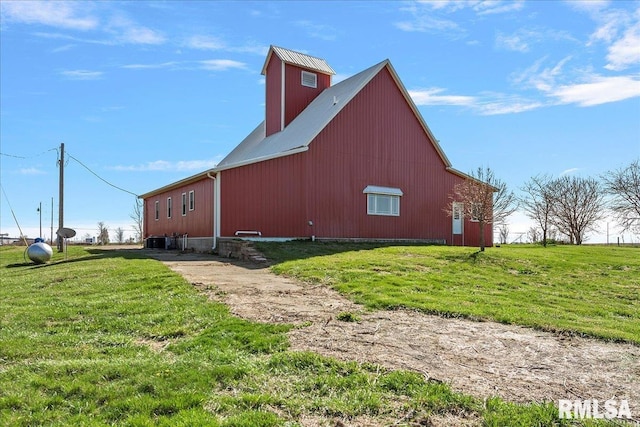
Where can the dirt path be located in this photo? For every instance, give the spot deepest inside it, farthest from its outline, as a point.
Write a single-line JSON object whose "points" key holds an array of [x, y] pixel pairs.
{"points": [[478, 358]]}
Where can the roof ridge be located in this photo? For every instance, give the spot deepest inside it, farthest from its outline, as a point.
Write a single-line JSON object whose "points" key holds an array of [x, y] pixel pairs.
{"points": [[299, 59], [296, 52]]}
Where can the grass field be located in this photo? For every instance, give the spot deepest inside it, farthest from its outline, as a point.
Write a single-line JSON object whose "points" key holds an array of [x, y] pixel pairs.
{"points": [[586, 290], [111, 338]]}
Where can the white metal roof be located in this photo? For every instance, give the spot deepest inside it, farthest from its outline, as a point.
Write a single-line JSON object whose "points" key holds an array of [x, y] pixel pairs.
{"points": [[299, 59]]}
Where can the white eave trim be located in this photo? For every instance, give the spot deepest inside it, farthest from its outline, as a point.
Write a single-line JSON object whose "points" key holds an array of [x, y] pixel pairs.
{"points": [[376, 189], [263, 158]]}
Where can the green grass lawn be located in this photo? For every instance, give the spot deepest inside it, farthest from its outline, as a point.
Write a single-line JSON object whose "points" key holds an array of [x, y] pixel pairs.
{"points": [[111, 338], [588, 290]]}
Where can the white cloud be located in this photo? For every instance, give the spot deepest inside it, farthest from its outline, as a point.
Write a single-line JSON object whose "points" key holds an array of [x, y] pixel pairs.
{"points": [[569, 171], [429, 15], [164, 166], [63, 48], [619, 30], [31, 171], [487, 104], [491, 7], [582, 87], [169, 64], [507, 105], [73, 15], [522, 39], [481, 7], [598, 90], [428, 23], [204, 43], [141, 35], [54, 14], [626, 50], [127, 31], [221, 64], [540, 79], [82, 74], [513, 42], [432, 96]]}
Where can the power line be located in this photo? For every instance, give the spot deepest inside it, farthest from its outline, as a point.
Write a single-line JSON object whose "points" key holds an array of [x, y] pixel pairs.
{"points": [[99, 177], [28, 157], [14, 215]]}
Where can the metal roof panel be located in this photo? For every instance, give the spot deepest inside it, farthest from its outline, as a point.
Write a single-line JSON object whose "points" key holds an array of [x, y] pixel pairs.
{"points": [[299, 59]]}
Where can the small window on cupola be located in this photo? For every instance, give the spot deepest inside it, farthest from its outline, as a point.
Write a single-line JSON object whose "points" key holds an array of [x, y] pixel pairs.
{"points": [[309, 79]]}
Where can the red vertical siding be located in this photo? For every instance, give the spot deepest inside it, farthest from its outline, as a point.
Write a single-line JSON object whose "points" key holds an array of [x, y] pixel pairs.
{"points": [[297, 97], [375, 140], [268, 197], [273, 95], [196, 223]]}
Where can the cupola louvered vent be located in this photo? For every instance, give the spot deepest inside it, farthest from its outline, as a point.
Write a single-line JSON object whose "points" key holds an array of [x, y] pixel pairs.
{"points": [[309, 79]]}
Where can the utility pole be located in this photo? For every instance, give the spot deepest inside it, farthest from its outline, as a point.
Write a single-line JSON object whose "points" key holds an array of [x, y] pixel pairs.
{"points": [[61, 197], [51, 241], [40, 212]]}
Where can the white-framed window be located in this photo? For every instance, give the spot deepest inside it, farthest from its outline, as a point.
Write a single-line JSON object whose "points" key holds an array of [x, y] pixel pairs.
{"points": [[383, 200], [157, 210], [192, 200], [184, 204], [309, 79], [168, 207], [476, 211]]}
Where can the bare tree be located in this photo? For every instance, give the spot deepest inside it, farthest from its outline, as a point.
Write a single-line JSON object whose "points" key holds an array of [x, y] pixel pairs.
{"points": [[484, 198], [138, 219], [533, 235], [578, 204], [119, 235], [623, 185], [538, 203], [103, 233], [504, 233]]}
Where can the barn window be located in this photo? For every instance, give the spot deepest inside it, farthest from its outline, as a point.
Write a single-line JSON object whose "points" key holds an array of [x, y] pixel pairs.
{"points": [[309, 79], [192, 200], [383, 200], [157, 210], [476, 212], [184, 204], [168, 207]]}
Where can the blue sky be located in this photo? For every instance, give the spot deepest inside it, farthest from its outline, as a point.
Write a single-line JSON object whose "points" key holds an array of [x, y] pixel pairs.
{"points": [[146, 93]]}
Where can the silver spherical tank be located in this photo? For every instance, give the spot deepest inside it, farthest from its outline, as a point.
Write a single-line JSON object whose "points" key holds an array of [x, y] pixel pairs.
{"points": [[39, 253]]}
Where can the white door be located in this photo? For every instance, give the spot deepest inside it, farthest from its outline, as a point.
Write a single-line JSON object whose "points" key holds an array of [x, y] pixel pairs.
{"points": [[457, 218]]}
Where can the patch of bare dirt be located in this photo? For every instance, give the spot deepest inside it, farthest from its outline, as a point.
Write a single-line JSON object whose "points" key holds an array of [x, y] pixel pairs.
{"points": [[479, 358]]}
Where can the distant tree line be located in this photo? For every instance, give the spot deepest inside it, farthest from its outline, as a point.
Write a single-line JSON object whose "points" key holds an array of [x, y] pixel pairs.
{"points": [[571, 206], [566, 206]]}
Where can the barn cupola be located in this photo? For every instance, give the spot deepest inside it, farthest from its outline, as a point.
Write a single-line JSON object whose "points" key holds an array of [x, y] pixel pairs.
{"points": [[292, 80]]}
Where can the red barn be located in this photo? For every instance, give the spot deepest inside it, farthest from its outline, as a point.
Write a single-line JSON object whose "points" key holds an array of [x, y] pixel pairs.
{"points": [[354, 160]]}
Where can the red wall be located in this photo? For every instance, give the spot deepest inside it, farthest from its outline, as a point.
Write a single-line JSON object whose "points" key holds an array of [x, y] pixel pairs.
{"points": [[273, 95], [196, 223], [375, 140], [297, 97], [268, 197]]}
